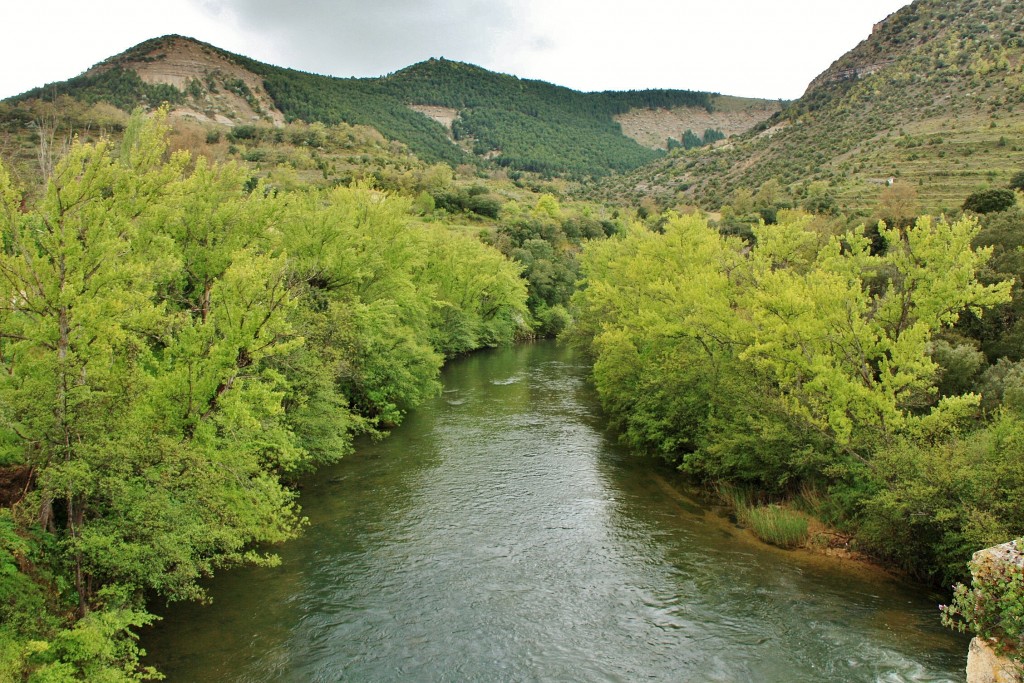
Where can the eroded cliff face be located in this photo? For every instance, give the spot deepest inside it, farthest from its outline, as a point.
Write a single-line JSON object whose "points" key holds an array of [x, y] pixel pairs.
{"points": [[851, 72], [444, 115], [870, 56]]}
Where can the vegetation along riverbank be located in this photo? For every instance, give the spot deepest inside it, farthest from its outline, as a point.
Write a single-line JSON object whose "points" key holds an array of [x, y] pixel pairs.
{"points": [[215, 273]]}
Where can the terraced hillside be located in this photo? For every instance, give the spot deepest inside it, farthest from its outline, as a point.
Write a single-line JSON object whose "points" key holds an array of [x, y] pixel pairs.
{"points": [[933, 99]]}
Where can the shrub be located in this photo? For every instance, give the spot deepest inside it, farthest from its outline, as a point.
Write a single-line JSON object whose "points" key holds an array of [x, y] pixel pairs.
{"points": [[424, 204], [1017, 181], [990, 201], [243, 132], [551, 321], [484, 205]]}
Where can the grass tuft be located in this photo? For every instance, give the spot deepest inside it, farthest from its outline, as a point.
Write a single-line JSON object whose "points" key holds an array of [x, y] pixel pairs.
{"points": [[772, 523], [778, 525]]}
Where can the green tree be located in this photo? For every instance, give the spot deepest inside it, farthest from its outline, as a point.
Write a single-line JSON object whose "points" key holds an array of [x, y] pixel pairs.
{"points": [[990, 201], [158, 385], [797, 359], [820, 199], [1017, 181], [128, 361], [897, 204]]}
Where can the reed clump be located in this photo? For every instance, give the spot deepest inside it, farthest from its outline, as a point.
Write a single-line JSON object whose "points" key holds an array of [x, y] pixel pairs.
{"points": [[771, 522]]}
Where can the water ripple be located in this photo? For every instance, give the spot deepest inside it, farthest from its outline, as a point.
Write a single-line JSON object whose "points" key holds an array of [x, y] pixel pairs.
{"points": [[501, 535]]}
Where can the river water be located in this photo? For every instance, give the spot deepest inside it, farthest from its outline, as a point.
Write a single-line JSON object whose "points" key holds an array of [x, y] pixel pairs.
{"points": [[501, 535]]}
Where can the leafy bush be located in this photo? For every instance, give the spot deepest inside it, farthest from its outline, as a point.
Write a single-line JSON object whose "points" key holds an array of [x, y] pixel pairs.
{"points": [[990, 201], [484, 205], [551, 321], [1017, 181], [806, 357], [287, 359]]}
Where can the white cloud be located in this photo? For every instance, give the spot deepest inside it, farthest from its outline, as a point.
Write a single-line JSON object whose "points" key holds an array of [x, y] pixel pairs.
{"points": [[53, 40], [754, 48]]}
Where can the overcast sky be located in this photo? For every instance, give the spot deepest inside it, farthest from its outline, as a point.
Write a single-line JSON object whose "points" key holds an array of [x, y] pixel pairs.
{"points": [[755, 48]]}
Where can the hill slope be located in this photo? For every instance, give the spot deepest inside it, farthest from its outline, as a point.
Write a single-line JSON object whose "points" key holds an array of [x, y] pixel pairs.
{"points": [[932, 98], [524, 125]]}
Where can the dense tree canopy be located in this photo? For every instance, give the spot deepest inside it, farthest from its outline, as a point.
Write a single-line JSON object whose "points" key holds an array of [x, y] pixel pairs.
{"points": [[806, 359], [175, 348]]}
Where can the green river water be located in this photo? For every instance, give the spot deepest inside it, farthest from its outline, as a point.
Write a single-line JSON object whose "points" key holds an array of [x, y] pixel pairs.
{"points": [[501, 534]]}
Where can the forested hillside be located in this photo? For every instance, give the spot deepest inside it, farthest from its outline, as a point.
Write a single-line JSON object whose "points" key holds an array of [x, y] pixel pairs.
{"points": [[521, 125], [533, 125]]}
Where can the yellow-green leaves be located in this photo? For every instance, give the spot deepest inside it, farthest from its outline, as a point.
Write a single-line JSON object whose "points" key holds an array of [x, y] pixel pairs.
{"points": [[155, 373], [838, 336], [846, 334]]}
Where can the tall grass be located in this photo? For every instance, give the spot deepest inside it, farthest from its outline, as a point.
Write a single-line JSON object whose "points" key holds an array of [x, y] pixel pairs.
{"points": [[771, 523], [778, 525]]}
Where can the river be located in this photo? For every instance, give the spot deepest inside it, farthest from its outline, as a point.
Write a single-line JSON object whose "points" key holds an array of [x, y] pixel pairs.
{"points": [[501, 534]]}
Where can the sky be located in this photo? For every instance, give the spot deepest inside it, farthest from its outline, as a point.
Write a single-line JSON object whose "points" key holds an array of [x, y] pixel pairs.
{"points": [[752, 48]]}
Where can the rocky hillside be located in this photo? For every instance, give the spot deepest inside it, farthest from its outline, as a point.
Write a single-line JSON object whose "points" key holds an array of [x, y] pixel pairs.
{"points": [[652, 127], [215, 87], [442, 110], [932, 100]]}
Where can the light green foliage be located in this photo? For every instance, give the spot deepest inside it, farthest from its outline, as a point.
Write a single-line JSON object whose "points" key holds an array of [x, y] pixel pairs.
{"points": [[659, 318], [23, 613], [478, 297], [385, 301], [841, 335], [546, 239], [354, 257], [424, 203], [135, 385], [174, 348], [934, 504], [99, 647], [848, 340], [807, 357]]}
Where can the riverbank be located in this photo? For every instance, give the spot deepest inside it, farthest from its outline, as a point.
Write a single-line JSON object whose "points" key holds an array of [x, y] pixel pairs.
{"points": [[825, 547], [810, 359], [502, 533]]}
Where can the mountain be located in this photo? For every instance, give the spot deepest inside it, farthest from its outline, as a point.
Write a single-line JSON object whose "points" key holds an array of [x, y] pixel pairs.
{"points": [[442, 110], [932, 99]]}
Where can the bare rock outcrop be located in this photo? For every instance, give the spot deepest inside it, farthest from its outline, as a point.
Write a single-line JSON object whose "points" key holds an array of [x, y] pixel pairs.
{"points": [[983, 664], [227, 92]]}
